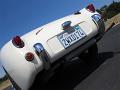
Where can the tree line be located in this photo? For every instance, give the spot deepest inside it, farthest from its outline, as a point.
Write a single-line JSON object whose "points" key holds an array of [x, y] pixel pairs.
{"points": [[108, 11]]}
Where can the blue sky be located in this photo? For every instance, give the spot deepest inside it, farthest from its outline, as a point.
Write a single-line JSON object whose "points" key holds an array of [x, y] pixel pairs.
{"points": [[18, 17]]}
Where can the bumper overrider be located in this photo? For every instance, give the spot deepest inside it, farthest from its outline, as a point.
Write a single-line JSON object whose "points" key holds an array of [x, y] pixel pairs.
{"points": [[40, 51], [97, 19]]}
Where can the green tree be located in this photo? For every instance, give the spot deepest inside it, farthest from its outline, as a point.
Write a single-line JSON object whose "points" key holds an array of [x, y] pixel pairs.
{"points": [[109, 11], [103, 11], [113, 9]]}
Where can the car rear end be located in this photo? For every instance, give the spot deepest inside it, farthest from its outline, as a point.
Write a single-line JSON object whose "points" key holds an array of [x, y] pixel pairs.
{"points": [[24, 57]]}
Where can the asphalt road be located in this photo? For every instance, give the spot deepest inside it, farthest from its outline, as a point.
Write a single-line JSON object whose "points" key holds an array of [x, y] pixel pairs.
{"points": [[107, 76], [102, 74]]}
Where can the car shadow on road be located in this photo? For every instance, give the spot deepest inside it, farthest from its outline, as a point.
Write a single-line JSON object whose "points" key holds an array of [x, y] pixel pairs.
{"points": [[74, 73], [9, 88]]}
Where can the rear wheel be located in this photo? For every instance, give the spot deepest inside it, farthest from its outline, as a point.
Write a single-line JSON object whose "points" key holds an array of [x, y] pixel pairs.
{"points": [[93, 52], [90, 54]]}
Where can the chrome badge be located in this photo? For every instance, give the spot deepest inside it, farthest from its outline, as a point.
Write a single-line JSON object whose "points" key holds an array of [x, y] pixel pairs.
{"points": [[66, 24]]}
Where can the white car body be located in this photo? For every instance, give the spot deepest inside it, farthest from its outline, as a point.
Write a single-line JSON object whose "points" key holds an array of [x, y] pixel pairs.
{"points": [[23, 72]]}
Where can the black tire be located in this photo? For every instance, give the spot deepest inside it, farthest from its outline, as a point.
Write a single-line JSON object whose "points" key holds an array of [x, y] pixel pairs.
{"points": [[90, 55], [93, 52]]}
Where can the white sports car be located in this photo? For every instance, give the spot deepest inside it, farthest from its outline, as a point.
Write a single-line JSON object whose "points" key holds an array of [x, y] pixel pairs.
{"points": [[47, 47]]}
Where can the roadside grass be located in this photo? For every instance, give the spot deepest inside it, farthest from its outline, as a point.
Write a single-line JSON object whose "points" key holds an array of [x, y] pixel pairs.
{"points": [[115, 19], [5, 84]]}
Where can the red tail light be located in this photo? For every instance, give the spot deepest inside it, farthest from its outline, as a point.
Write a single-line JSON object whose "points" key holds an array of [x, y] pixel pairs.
{"points": [[29, 56], [91, 8], [17, 41]]}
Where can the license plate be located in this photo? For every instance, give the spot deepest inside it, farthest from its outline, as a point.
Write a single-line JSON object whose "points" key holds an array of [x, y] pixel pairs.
{"points": [[68, 38]]}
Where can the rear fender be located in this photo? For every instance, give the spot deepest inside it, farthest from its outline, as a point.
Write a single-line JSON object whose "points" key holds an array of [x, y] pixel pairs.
{"points": [[20, 70]]}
